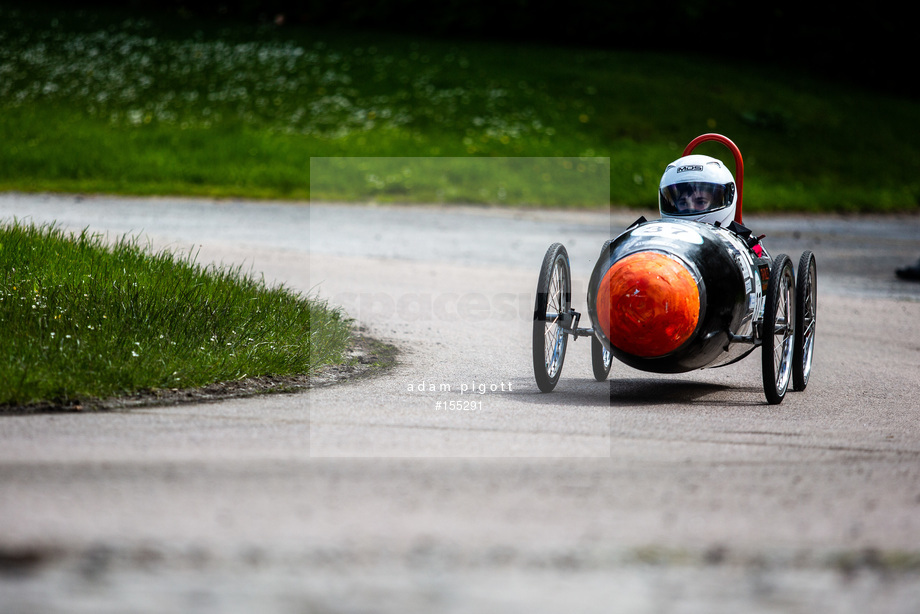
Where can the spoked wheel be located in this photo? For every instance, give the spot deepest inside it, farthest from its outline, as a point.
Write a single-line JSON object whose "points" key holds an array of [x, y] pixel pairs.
{"points": [[778, 330], [601, 359], [551, 310], [806, 317]]}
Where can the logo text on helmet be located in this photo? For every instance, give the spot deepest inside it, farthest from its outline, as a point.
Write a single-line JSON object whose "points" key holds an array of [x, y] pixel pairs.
{"points": [[691, 167]]}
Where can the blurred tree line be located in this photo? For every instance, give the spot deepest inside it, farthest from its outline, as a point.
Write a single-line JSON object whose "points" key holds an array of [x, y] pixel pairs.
{"points": [[866, 43]]}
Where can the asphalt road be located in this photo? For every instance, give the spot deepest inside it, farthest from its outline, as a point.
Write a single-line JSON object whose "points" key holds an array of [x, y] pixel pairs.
{"points": [[648, 494]]}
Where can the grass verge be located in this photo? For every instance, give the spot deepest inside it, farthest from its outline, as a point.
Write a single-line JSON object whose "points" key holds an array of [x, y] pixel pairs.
{"points": [[102, 101], [83, 321]]}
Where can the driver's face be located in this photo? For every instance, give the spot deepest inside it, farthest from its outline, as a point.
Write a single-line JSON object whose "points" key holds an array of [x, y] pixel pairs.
{"points": [[695, 200]]}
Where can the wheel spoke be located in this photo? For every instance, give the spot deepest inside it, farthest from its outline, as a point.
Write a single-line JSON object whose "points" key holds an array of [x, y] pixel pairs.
{"points": [[553, 333], [551, 317], [783, 333], [809, 328]]}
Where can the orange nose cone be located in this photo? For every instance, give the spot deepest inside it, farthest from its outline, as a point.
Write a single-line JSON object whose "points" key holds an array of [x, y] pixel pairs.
{"points": [[648, 304]]}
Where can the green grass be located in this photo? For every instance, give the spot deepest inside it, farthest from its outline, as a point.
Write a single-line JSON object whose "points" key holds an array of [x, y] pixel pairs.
{"points": [[110, 102], [550, 181], [83, 320]]}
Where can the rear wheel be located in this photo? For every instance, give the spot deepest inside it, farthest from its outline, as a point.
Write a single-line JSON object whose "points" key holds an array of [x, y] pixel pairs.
{"points": [[778, 330], [601, 359], [551, 313], [806, 318]]}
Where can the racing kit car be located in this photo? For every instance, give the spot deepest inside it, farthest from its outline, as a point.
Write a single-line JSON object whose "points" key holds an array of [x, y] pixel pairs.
{"points": [[694, 289]]}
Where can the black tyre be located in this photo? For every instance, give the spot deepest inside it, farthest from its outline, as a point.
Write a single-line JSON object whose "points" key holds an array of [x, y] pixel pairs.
{"points": [[778, 330], [551, 308], [806, 319], [601, 359]]}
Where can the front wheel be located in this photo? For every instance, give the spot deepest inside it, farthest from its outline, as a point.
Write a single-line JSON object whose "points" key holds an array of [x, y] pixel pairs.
{"points": [[806, 318], [778, 330], [551, 310]]}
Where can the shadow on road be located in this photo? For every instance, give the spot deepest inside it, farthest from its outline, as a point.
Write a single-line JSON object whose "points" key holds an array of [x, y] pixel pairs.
{"points": [[571, 392], [638, 392], [645, 392]]}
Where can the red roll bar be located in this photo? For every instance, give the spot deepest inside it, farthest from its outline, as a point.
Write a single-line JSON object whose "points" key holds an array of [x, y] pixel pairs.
{"points": [[739, 163]]}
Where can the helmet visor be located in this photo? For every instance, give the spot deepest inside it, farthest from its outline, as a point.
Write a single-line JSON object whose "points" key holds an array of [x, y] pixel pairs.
{"points": [[695, 197]]}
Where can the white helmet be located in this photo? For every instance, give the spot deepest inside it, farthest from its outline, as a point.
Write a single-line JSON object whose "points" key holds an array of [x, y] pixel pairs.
{"points": [[698, 188]]}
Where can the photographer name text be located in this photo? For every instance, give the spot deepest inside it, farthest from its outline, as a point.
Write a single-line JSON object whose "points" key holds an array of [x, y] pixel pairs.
{"points": [[462, 388]]}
